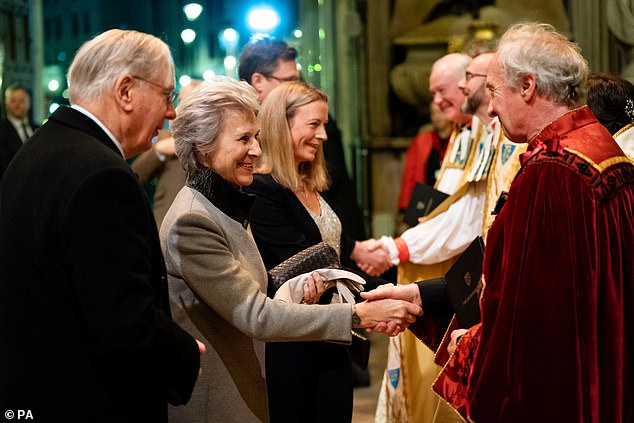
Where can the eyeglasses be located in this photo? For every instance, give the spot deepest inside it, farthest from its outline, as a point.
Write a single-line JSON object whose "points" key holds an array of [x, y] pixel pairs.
{"points": [[468, 75], [288, 79], [170, 95]]}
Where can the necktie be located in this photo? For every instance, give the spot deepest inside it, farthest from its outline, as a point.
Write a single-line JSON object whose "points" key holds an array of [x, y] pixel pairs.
{"points": [[26, 131]]}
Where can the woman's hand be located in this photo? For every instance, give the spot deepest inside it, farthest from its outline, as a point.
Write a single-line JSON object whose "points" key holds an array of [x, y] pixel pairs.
{"points": [[313, 288]]}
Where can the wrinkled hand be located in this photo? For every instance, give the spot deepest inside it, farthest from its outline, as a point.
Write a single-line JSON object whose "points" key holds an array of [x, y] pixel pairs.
{"points": [[409, 293], [372, 256], [397, 315], [313, 288], [454, 340]]}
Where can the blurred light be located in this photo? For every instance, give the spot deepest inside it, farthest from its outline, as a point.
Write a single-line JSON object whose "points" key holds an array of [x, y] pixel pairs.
{"points": [[188, 35], [53, 107], [230, 62], [299, 67], [192, 11], [322, 34], [228, 39], [65, 93], [208, 74], [53, 85], [298, 33], [230, 66], [185, 80], [263, 19], [311, 69], [231, 35], [317, 67], [61, 56]]}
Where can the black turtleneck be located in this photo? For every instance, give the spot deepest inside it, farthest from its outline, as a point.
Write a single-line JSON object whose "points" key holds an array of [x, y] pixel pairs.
{"points": [[230, 199]]}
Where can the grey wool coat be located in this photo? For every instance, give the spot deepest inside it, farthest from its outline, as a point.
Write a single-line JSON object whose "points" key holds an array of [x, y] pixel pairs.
{"points": [[217, 285]]}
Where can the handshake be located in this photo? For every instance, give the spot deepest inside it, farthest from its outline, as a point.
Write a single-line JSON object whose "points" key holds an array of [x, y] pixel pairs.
{"points": [[372, 256], [390, 309]]}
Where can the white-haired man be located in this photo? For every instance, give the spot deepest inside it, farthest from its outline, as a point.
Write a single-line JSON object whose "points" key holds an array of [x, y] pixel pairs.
{"points": [[84, 317], [555, 340]]}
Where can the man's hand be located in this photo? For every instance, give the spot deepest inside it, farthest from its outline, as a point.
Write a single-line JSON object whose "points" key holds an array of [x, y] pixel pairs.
{"points": [[409, 292], [372, 256], [455, 338], [392, 315]]}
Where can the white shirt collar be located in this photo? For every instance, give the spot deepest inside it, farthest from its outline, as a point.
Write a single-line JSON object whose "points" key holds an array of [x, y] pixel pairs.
{"points": [[20, 126], [17, 122], [101, 125]]}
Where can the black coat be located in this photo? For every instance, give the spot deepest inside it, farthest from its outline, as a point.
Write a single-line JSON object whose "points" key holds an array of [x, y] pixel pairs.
{"points": [[298, 372], [85, 330], [281, 225]]}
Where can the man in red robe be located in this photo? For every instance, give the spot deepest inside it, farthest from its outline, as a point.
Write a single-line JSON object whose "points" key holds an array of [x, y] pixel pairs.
{"points": [[556, 342]]}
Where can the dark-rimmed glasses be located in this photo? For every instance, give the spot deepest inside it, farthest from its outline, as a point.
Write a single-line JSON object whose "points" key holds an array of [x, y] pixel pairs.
{"points": [[170, 95]]}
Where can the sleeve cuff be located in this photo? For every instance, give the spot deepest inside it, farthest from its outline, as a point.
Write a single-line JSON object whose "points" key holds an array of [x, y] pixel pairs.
{"points": [[403, 250], [391, 246]]}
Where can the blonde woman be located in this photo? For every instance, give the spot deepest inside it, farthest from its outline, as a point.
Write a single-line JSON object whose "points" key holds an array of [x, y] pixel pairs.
{"points": [[288, 216]]}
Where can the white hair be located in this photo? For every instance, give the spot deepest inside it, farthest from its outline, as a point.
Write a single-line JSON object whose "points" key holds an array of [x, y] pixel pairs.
{"points": [[556, 62], [200, 116], [101, 61]]}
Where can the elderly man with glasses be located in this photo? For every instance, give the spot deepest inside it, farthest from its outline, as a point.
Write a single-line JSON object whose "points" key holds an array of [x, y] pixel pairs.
{"points": [[84, 317]]}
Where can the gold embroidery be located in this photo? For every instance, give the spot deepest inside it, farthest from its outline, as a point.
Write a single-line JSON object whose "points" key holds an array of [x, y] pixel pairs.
{"points": [[604, 164]]}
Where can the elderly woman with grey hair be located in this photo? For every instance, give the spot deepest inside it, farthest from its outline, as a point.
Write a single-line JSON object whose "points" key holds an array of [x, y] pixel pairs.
{"points": [[217, 280]]}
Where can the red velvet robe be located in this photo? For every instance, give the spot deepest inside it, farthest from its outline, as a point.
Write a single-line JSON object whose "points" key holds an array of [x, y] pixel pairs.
{"points": [[557, 334]]}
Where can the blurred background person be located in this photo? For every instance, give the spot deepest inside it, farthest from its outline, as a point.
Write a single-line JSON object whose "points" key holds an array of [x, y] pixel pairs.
{"points": [[17, 127], [424, 155], [161, 163], [611, 99], [216, 277]]}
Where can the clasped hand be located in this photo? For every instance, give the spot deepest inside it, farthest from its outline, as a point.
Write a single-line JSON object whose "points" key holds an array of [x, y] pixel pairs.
{"points": [[372, 256], [407, 296], [389, 308]]}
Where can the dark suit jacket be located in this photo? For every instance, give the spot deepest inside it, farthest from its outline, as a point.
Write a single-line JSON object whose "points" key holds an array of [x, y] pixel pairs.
{"points": [[84, 317], [10, 143]]}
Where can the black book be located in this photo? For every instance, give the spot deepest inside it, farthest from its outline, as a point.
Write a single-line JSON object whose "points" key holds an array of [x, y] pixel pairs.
{"points": [[424, 199], [464, 284]]}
